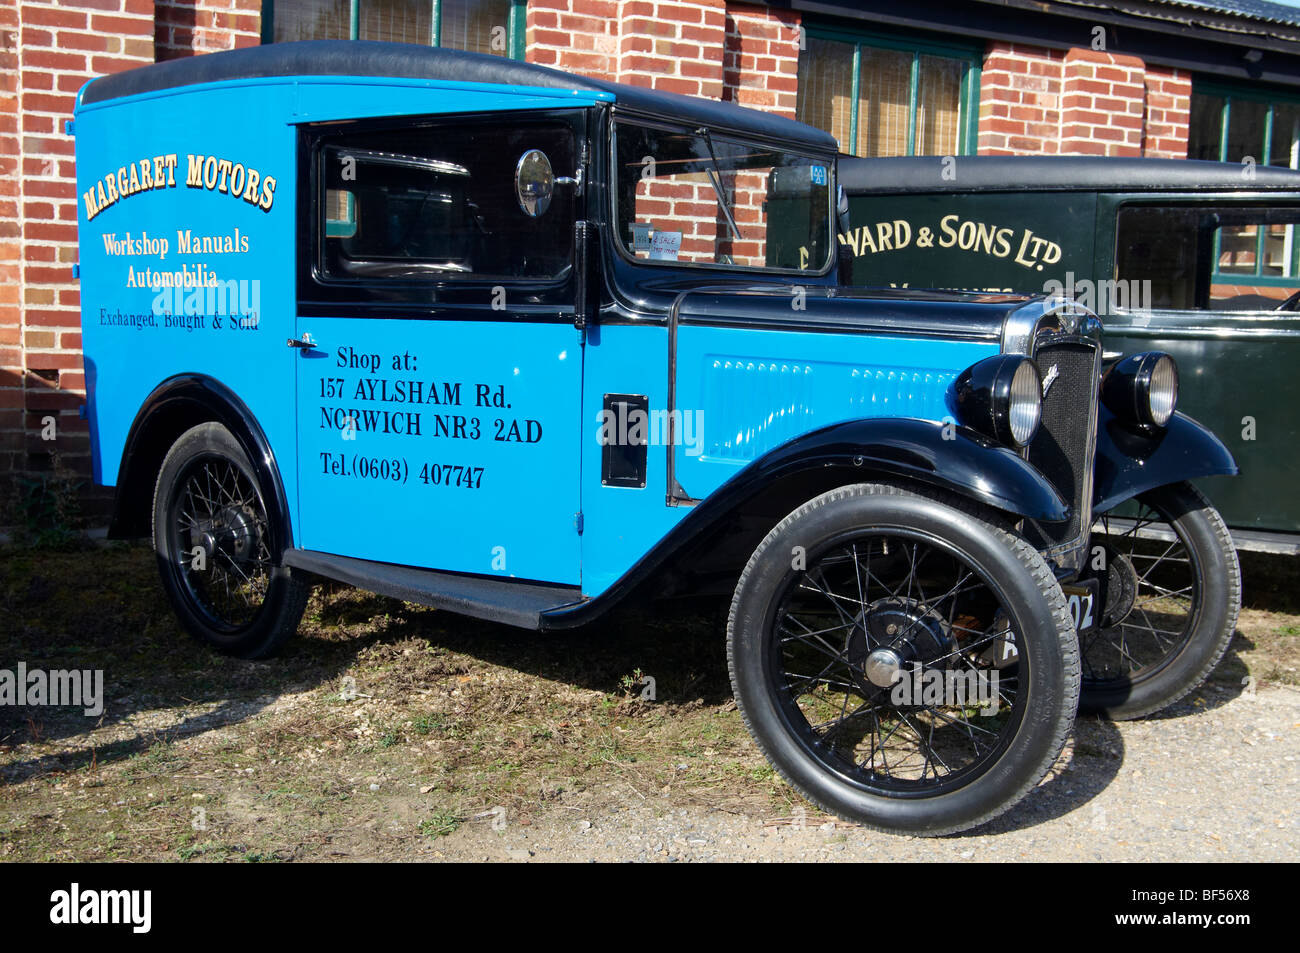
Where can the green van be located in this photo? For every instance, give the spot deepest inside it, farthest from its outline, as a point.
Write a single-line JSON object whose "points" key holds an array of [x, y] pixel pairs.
{"points": [[1198, 259]]}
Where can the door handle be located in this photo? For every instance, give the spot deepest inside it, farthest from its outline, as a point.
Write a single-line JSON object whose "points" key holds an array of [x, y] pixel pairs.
{"points": [[305, 342]]}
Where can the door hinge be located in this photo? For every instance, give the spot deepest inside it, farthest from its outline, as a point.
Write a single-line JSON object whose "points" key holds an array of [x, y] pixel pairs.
{"points": [[577, 522]]}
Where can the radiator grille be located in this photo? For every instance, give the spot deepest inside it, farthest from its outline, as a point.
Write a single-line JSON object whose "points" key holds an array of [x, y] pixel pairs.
{"points": [[1063, 449]]}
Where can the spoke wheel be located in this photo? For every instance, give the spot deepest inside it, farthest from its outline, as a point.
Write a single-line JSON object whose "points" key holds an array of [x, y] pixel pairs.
{"points": [[220, 531], [219, 545], [903, 663], [1172, 590], [908, 612]]}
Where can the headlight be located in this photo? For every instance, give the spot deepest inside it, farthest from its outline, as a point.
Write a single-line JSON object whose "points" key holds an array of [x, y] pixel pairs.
{"points": [[1002, 397], [1142, 389]]}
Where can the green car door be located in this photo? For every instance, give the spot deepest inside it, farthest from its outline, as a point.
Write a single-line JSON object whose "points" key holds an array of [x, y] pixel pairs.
{"points": [[1215, 283]]}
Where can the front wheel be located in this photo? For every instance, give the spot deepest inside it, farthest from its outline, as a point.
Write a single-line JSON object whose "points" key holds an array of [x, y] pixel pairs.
{"points": [[902, 662], [1172, 591], [219, 547]]}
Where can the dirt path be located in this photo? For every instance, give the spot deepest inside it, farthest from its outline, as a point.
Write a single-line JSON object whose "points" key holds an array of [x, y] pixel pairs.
{"points": [[1220, 784]]}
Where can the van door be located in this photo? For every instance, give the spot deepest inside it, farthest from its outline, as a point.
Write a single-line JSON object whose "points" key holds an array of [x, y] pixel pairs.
{"points": [[1217, 285], [439, 371]]}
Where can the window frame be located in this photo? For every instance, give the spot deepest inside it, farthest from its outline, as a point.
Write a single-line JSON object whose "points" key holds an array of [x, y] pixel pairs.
{"points": [[636, 118], [1248, 205], [967, 100], [515, 39], [451, 296], [1271, 98]]}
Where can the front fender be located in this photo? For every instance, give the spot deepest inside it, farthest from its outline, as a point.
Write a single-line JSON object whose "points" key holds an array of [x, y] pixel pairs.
{"points": [[1130, 462], [946, 456]]}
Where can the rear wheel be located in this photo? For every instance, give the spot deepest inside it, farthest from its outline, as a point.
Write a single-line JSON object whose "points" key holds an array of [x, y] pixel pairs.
{"points": [[1172, 593], [902, 662], [219, 547]]}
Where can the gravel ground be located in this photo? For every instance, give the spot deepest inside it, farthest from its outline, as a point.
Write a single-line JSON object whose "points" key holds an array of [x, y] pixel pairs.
{"points": [[1214, 783], [390, 733]]}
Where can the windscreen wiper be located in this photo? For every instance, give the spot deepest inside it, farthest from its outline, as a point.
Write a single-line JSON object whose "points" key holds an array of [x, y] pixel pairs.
{"points": [[715, 179]]}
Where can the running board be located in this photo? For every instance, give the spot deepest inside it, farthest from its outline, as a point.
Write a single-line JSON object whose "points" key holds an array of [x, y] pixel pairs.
{"points": [[497, 600]]}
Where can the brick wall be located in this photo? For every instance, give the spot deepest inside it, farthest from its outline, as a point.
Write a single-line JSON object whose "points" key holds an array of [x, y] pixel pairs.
{"points": [[1169, 106], [729, 51], [186, 27], [1080, 102]]}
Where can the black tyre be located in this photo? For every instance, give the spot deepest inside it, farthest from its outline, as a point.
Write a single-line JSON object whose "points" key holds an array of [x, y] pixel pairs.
{"points": [[1172, 594], [219, 547], [865, 582]]}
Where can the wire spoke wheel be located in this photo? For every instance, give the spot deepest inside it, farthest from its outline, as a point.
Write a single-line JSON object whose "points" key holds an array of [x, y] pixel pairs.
{"points": [[220, 538], [902, 661], [1150, 571], [1171, 590], [884, 649], [220, 527]]}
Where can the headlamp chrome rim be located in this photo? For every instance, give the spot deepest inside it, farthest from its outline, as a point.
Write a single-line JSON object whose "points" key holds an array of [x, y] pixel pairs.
{"points": [[1002, 397], [1142, 389]]}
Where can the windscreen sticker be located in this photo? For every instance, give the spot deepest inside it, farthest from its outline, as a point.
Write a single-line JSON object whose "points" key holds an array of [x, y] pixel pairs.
{"points": [[641, 232], [665, 246]]}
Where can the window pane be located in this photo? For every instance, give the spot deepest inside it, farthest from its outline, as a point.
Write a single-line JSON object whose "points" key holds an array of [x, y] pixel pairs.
{"points": [[938, 106], [1205, 127], [1158, 245], [826, 88], [312, 20], [396, 21], [1279, 247], [1174, 249], [1237, 249], [1286, 132], [438, 201], [1246, 129], [482, 26], [884, 102], [669, 210]]}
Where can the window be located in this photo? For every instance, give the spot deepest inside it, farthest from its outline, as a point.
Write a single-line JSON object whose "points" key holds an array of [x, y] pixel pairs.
{"points": [[1217, 259], [712, 200], [1231, 125], [482, 26], [422, 203], [882, 97]]}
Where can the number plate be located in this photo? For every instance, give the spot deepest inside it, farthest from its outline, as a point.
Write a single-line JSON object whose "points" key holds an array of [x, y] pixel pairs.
{"points": [[1081, 597]]}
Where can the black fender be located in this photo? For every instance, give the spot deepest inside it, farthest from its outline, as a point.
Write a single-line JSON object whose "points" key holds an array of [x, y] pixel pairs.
{"points": [[1131, 460], [174, 406], [902, 450]]}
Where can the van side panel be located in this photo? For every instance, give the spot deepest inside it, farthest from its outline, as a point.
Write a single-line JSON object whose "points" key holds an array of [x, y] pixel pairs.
{"points": [[181, 275], [186, 218]]}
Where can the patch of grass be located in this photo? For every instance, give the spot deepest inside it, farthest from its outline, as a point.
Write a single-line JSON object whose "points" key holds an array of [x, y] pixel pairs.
{"points": [[440, 825]]}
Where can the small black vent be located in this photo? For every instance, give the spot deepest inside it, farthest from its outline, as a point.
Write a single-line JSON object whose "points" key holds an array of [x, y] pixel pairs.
{"points": [[1063, 448], [625, 425]]}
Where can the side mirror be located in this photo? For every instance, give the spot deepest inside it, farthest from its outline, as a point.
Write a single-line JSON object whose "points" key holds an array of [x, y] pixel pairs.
{"points": [[534, 182]]}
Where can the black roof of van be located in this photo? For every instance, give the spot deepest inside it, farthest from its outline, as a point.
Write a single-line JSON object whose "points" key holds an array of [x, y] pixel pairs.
{"points": [[410, 61], [1058, 174]]}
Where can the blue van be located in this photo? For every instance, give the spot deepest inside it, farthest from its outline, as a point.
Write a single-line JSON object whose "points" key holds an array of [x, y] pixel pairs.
{"points": [[519, 344]]}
